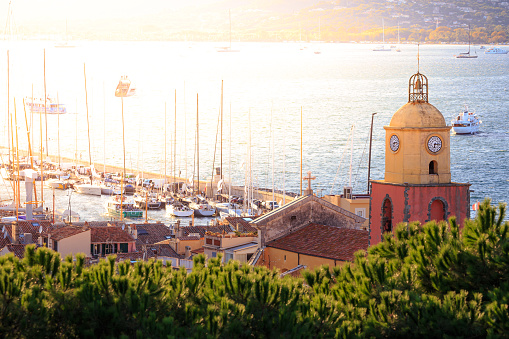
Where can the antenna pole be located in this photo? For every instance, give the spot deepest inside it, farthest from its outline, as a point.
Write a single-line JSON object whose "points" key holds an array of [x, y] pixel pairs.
{"points": [[370, 143]]}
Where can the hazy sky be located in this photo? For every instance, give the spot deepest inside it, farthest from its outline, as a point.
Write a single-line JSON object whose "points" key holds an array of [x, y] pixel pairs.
{"points": [[27, 10]]}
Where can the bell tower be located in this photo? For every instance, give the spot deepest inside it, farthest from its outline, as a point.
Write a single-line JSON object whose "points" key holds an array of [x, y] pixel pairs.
{"points": [[417, 140], [417, 184]]}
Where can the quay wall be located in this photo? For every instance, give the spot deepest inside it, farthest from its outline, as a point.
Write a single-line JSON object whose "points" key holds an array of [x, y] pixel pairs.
{"points": [[204, 184]]}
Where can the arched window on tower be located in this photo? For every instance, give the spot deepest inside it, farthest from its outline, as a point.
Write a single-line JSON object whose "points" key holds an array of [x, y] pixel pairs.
{"points": [[433, 167], [387, 216], [437, 210]]}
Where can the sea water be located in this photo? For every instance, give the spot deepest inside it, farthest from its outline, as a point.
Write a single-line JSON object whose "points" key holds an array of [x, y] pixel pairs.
{"points": [[266, 86]]}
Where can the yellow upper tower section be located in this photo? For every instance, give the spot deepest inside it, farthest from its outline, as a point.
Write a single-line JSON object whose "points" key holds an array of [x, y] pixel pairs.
{"points": [[417, 140]]}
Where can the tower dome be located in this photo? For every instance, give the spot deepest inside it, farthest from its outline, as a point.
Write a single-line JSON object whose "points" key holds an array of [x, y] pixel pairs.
{"points": [[417, 114]]}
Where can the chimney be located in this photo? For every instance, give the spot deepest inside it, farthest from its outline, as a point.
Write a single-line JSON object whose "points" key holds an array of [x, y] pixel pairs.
{"points": [[180, 230], [188, 252], [15, 233], [30, 176], [27, 238], [135, 232]]}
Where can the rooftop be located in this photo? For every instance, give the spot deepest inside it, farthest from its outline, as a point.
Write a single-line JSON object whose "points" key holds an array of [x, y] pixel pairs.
{"points": [[109, 234], [324, 241], [243, 224], [66, 232]]}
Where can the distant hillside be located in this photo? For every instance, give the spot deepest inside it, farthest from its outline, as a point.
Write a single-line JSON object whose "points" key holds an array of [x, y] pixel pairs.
{"points": [[273, 20]]}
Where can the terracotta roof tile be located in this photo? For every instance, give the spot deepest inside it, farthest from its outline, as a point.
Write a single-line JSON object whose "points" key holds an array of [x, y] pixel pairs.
{"points": [[202, 229], [243, 225], [17, 250], [152, 233], [66, 232], [324, 241], [101, 235], [188, 238], [198, 250]]}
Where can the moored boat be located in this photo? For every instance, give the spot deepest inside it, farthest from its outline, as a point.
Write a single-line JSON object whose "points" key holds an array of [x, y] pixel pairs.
{"points": [[116, 203], [88, 189], [466, 122], [125, 88], [201, 208], [177, 209], [37, 105], [495, 50]]}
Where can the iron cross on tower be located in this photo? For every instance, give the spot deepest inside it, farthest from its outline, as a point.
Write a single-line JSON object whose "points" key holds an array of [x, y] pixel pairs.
{"points": [[309, 178]]}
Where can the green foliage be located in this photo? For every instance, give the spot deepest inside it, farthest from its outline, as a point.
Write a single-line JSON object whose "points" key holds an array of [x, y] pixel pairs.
{"points": [[435, 280]]}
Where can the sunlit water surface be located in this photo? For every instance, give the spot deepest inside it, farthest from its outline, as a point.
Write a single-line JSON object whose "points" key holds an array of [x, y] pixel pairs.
{"points": [[266, 84]]}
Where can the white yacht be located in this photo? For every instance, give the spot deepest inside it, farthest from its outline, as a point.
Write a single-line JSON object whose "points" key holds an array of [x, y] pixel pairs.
{"points": [[495, 50], [177, 209], [201, 207], [466, 122], [88, 189]]}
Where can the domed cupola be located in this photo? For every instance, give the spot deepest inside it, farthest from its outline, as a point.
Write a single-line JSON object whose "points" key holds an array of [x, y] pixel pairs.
{"points": [[417, 140]]}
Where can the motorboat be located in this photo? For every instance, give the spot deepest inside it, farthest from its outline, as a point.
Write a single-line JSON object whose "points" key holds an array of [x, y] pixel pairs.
{"points": [[110, 189], [125, 88], [48, 106], [88, 189], [57, 184], [178, 209], [466, 122], [117, 204], [381, 49], [201, 208], [149, 201], [495, 50]]}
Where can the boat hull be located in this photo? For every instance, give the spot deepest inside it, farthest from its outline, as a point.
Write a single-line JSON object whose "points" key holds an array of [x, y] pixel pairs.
{"points": [[178, 212], [465, 130], [88, 189]]}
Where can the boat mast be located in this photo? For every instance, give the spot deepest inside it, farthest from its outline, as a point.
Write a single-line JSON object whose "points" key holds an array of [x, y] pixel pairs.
{"points": [[45, 100], [230, 159], [175, 143], [104, 121], [18, 195], [230, 16], [29, 146], [8, 106], [164, 145], [58, 131], [300, 150], [221, 166], [370, 143], [272, 141], [197, 146], [351, 160], [88, 122]]}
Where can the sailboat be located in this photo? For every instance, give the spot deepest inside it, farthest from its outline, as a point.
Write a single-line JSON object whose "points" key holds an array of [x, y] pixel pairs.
{"points": [[466, 55], [65, 43], [229, 48], [398, 49], [318, 51], [382, 48]]}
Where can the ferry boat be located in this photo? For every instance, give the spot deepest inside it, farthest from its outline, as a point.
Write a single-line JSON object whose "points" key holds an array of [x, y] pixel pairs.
{"points": [[115, 203], [36, 105], [466, 122], [125, 88], [495, 50]]}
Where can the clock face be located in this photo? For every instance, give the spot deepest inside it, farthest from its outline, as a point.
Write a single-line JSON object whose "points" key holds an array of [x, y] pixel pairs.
{"points": [[434, 144], [394, 143]]}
